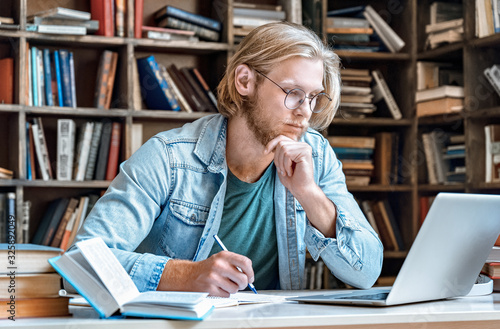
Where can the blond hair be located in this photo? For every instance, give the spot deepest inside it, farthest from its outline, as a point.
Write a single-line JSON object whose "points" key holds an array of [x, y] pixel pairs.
{"points": [[267, 46]]}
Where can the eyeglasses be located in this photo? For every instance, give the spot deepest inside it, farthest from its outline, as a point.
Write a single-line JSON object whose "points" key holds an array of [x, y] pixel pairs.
{"points": [[295, 97]]}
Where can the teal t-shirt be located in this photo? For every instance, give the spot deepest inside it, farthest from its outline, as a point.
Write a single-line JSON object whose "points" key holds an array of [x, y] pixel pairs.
{"points": [[248, 227]]}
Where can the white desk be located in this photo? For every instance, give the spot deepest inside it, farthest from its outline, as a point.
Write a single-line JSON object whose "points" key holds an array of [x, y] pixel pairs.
{"points": [[469, 312]]}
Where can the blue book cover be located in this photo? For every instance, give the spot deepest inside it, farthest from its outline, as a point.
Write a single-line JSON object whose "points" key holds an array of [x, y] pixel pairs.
{"points": [[28, 155], [153, 86], [187, 16], [57, 69], [353, 150], [65, 77], [34, 75], [49, 100]]}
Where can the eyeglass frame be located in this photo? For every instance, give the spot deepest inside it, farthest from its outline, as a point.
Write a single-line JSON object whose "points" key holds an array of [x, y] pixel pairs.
{"points": [[305, 95]]}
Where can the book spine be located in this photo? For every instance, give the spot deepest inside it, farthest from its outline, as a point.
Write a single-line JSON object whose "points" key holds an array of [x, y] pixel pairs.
{"points": [[83, 151], [183, 104], [201, 32], [102, 10], [184, 87], [29, 87], [24, 228], [120, 18], [139, 10], [200, 20], [386, 92], [94, 146], [206, 106], [34, 75], [111, 80], [48, 78], [58, 235], [66, 77], [101, 81], [42, 151], [57, 69], [41, 80], [166, 88], [28, 155], [102, 159], [72, 79], [65, 148], [205, 86], [114, 151]]}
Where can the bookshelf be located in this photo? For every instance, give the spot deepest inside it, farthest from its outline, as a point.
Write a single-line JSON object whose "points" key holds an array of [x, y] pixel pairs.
{"points": [[407, 18]]}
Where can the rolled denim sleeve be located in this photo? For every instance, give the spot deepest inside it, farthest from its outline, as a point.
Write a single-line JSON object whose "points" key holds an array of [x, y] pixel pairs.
{"points": [[124, 216], [355, 255]]}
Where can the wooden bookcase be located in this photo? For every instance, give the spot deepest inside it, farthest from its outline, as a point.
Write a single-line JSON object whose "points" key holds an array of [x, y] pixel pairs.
{"points": [[407, 18]]}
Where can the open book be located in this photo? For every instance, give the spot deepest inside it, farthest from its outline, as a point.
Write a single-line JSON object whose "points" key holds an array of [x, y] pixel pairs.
{"points": [[95, 272]]}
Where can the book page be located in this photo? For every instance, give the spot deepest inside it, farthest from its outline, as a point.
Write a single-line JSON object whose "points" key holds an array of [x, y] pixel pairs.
{"points": [[109, 269], [246, 298]]}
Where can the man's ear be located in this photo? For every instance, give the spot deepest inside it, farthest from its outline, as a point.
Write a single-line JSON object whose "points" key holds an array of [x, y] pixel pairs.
{"points": [[244, 80]]}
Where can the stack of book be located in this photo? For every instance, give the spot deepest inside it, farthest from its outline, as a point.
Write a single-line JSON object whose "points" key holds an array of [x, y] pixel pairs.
{"points": [[491, 267], [61, 221], [381, 217], [247, 16], [492, 152], [361, 28], [8, 23], [61, 20], [492, 74], [6, 173], [357, 97], [171, 88], [51, 80], [487, 18], [32, 289], [440, 100], [445, 157], [356, 155], [93, 154], [204, 27], [444, 32]]}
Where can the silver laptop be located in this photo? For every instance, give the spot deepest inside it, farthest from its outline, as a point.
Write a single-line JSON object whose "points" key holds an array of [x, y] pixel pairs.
{"points": [[445, 259]]}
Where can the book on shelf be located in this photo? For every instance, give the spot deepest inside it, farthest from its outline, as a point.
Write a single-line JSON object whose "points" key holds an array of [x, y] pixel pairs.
{"points": [[432, 75], [445, 25], [200, 31], [181, 100], [391, 40], [441, 11], [42, 153], [381, 91], [366, 206], [6, 173], [492, 74], [91, 26], [273, 14], [439, 92], [83, 150], [352, 141], [30, 153], [114, 151], [138, 18], [61, 227], [93, 150], [80, 213], [186, 16], [57, 29], [136, 134], [6, 20], [494, 255], [486, 18], [102, 11], [206, 89], [444, 37], [102, 158], [110, 289], [106, 72], [185, 88], [154, 88], [120, 11], [205, 100], [63, 13], [446, 105], [387, 225], [50, 221], [385, 158], [6, 80], [492, 152], [168, 36], [66, 130], [492, 269]]}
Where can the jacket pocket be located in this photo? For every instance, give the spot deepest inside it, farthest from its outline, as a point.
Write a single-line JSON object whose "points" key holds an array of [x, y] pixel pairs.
{"points": [[183, 228]]}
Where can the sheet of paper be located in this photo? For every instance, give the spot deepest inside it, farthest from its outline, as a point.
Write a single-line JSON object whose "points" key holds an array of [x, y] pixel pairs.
{"points": [[241, 298]]}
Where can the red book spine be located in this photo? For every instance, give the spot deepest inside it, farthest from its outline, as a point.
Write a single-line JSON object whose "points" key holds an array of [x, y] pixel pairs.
{"points": [[102, 10], [114, 151], [139, 8]]}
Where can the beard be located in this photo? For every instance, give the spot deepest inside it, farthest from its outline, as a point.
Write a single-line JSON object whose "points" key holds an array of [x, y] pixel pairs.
{"points": [[263, 127]]}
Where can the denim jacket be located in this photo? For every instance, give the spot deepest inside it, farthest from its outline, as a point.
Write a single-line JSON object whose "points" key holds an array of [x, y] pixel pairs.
{"points": [[167, 201]]}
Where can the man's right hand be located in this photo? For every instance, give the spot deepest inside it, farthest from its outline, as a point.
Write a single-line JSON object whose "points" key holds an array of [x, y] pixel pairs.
{"points": [[216, 275]]}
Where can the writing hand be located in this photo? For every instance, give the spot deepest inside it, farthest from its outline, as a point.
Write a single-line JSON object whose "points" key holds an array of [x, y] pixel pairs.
{"points": [[218, 275]]}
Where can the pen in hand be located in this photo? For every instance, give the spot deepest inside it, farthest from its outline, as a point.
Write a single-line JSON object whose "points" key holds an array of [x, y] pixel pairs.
{"points": [[223, 247]]}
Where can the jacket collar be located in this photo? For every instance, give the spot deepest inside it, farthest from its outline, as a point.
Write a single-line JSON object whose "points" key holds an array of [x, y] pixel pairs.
{"points": [[211, 145]]}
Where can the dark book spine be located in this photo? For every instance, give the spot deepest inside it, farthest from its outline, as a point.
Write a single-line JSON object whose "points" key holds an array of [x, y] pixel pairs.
{"points": [[205, 102], [114, 151], [203, 33], [185, 88], [102, 158], [48, 78], [65, 77], [187, 16]]}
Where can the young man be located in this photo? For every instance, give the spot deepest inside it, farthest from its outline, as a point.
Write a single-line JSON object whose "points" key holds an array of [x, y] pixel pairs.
{"points": [[255, 174]]}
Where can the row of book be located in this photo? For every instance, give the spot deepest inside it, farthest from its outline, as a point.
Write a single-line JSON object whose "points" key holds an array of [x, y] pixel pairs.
{"points": [[487, 17], [361, 29], [92, 154], [36, 289], [369, 159], [444, 157], [366, 93], [380, 215], [171, 88], [61, 221]]}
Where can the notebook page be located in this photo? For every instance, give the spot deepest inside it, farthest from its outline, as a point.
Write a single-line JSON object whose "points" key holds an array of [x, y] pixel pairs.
{"points": [[246, 298]]}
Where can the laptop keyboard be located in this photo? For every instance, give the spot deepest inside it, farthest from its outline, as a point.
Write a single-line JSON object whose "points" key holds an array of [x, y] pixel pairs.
{"points": [[379, 296]]}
